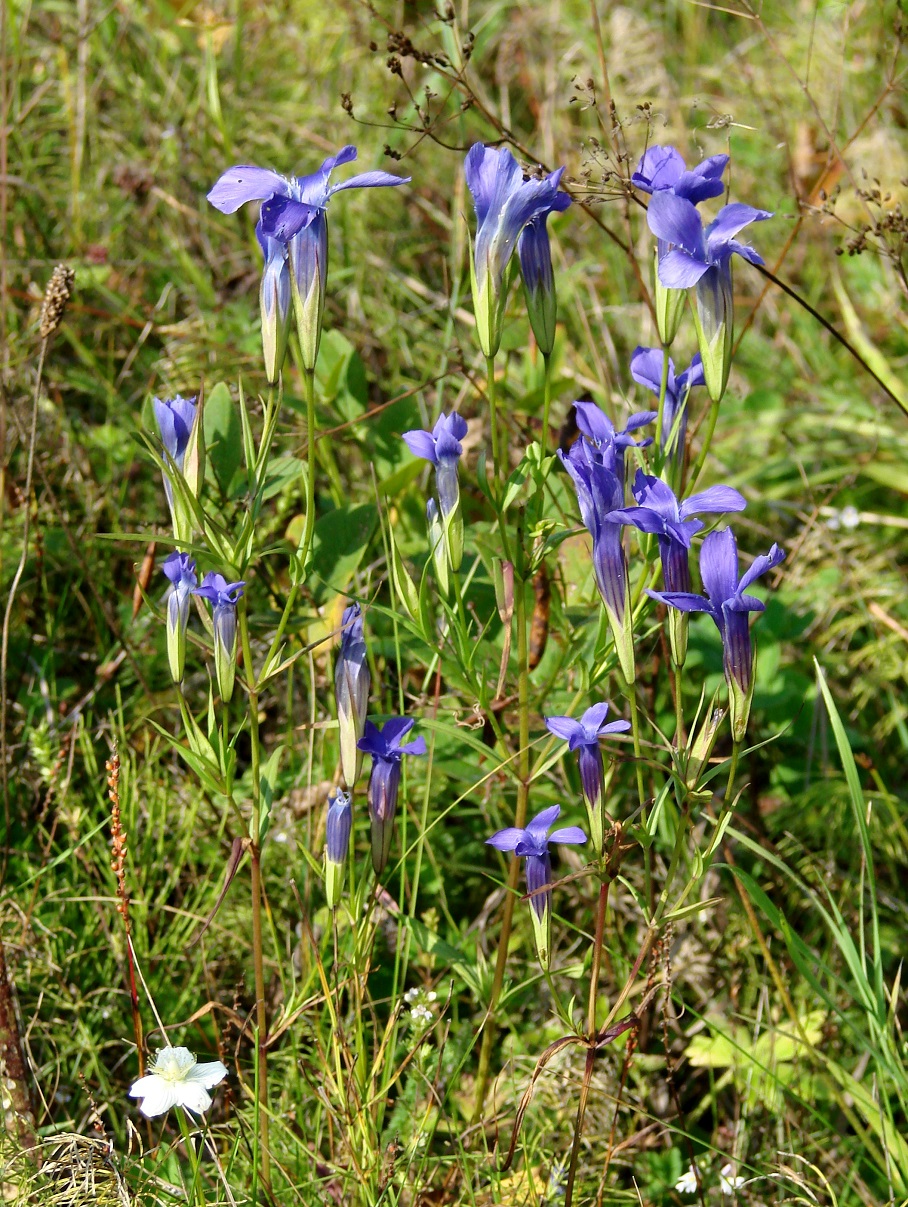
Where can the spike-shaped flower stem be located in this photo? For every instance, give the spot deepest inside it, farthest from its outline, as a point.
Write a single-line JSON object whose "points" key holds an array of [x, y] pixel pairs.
{"points": [[660, 417], [492, 393], [546, 403], [520, 816], [631, 694]]}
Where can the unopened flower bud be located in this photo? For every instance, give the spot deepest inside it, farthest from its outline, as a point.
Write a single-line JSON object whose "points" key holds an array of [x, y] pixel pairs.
{"points": [[337, 845], [351, 687], [180, 569]]}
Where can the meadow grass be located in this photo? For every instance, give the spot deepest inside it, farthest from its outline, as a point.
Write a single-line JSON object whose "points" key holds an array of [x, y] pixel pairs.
{"points": [[768, 1019]]}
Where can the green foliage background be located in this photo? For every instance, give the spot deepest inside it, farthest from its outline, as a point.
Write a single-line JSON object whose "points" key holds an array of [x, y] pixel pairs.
{"points": [[119, 118]]}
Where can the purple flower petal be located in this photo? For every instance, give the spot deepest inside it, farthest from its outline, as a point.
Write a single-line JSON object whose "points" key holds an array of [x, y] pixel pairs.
{"points": [[538, 828], [682, 600], [417, 746], [563, 727], [729, 220], [766, 561], [719, 565], [593, 718], [745, 603], [421, 444], [678, 270], [370, 180], [643, 518], [676, 220], [506, 840], [572, 834], [660, 168], [283, 217], [244, 183], [639, 419], [646, 368], [716, 499]]}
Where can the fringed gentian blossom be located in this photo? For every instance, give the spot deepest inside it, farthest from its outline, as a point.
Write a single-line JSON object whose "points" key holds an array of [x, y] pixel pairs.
{"points": [[701, 257], [646, 370], [223, 598], [659, 512], [505, 202], [728, 605], [337, 843], [351, 689], [532, 844], [294, 215], [387, 749], [662, 169], [442, 447], [179, 424], [583, 736], [609, 443], [180, 569]]}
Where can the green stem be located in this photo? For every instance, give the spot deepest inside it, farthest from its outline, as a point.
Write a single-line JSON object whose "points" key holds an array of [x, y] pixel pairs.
{"points": [[704, 450], [662, 389], [195, 1190], [255, 853], [523, 698], [493, 414], [735, 753], [546, 404], [641, 791], [679, 710]]}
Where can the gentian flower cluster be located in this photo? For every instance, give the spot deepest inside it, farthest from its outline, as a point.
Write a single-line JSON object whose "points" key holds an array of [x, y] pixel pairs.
{"points": [[223, 597], [584, 736], [659, 512], [663, 170], [387, 749], [511, 214], [595, 463], [293, 234], [728, 604], [532, 844], [646, 370], [351, 689], [442, 446], [180, 569], [337, 844], [701, 256], [179, 423]]}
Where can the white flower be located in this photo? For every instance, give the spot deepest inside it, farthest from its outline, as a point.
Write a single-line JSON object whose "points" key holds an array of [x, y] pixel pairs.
{"points": [[177, 1079], [687, 1183], [421, 1014], [728, 1183], [411, 995]]}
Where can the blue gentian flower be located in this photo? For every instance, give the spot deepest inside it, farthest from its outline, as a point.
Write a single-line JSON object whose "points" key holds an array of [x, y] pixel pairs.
{"points": [[701, 257], [532, 843], [351, 689], [609, 443], [600, 492], [505, 202], [294, 214], [663, 170], [659, 512], [442, 447], [180, 569], [175, 418], [534, 254], [337, 843], [728, 604], [276, 302], [387, 749], [646, 370], [223, 598], [583, 736]]}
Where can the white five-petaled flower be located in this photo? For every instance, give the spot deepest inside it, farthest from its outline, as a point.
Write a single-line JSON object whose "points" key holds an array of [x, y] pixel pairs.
{"points": [[687, 1183], [728, 1182], [177, 1079]]}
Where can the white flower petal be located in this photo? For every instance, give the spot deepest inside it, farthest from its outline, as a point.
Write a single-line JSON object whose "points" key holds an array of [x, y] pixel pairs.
{"points": [[193, 1097], [207, 1075], [159, 1097]]}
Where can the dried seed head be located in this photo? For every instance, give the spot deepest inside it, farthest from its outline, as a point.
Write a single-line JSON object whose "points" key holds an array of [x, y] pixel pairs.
{"points": [[57, 294]]}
